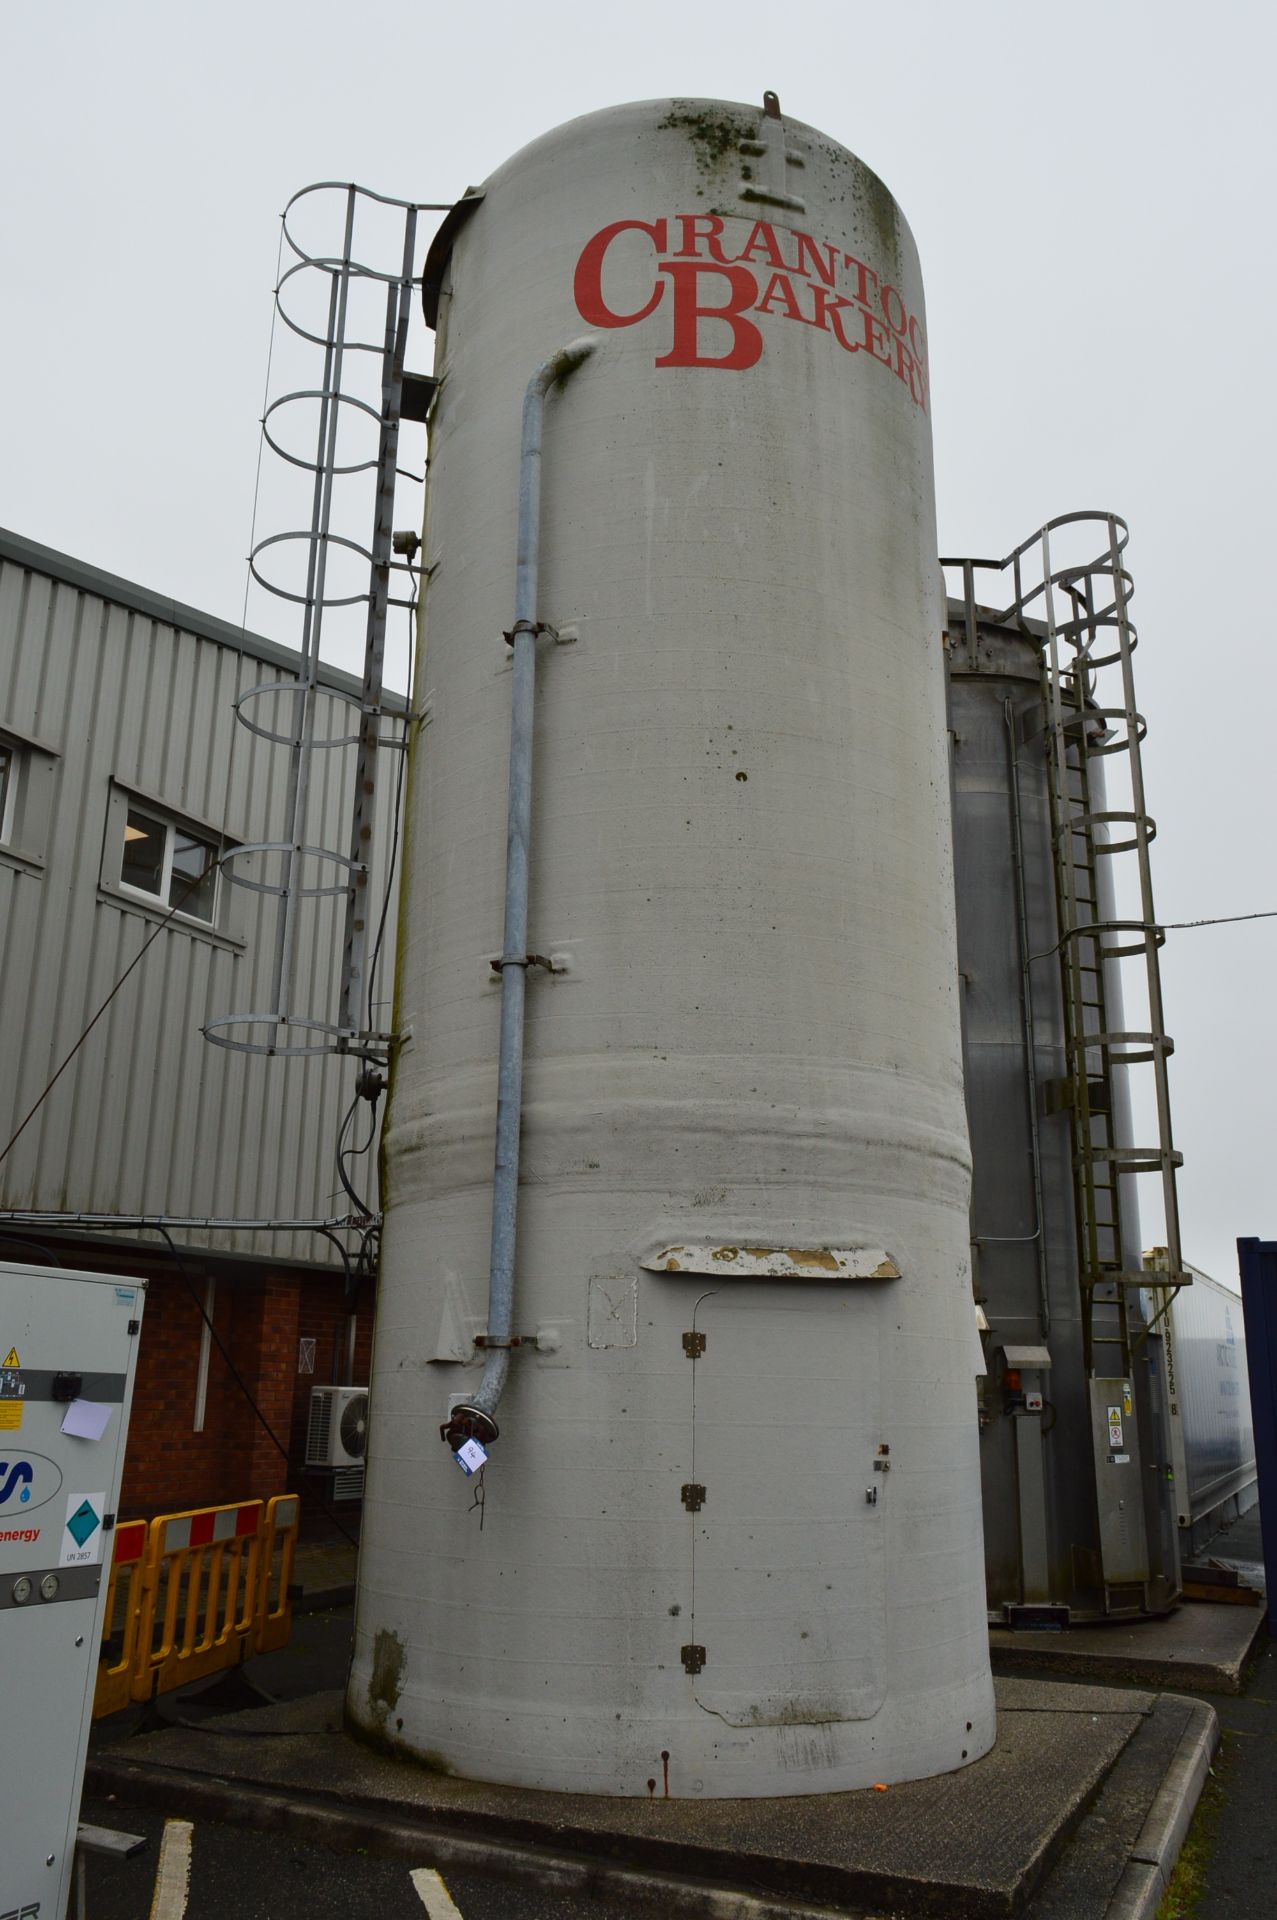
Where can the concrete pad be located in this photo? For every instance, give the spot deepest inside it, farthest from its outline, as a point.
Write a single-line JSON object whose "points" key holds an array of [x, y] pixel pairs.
{"points": [[974, 1843], [1199, 1648], [1118, 1861]]}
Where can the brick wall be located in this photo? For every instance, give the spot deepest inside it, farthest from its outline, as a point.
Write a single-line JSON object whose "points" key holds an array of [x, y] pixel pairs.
{"points": [[168, 1466], [261, 1315], [322, 1318], [165, 1460]]}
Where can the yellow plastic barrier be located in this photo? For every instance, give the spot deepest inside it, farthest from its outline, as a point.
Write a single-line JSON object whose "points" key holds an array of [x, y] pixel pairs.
{"points": [[275, 1614], [123, 1614], [199, 1611], [191, 1593]]}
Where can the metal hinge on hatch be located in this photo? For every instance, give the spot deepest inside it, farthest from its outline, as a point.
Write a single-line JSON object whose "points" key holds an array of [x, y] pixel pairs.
{"points": [[693, 1658], [693, 1496], [693, 1344]]}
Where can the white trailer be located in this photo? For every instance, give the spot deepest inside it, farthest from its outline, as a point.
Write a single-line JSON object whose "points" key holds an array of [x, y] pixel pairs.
{"points": [[1208, 1402]]}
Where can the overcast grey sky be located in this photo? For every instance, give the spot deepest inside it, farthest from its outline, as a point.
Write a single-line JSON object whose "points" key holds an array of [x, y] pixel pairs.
{"points": [[1091, 188]]}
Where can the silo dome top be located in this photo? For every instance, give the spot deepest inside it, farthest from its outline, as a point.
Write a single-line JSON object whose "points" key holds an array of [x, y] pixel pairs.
{"points": [[742, 162]]}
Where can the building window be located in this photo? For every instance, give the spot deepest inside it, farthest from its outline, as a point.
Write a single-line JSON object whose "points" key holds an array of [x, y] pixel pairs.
{"points": [[169, 863], [27, 769]]}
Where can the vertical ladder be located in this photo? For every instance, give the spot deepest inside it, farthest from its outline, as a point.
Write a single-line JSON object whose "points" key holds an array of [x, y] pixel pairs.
{"points": [[1088, 629], [1087, 1092], [1078, 619], [358, 380]]}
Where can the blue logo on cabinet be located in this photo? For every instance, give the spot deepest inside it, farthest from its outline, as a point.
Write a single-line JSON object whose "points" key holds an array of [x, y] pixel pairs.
{"points": [[20, 1474], [29, 1483]]}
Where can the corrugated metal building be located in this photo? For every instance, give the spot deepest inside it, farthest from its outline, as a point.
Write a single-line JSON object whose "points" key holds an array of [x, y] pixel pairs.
{"points": [[123, 772]]}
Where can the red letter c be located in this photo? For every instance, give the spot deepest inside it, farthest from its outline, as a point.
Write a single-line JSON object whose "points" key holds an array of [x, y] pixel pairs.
{"points": [[588, 283]]}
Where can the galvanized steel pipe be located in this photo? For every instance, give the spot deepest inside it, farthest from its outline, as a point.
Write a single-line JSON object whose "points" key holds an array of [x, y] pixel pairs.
{"points": [[481, 1410]]}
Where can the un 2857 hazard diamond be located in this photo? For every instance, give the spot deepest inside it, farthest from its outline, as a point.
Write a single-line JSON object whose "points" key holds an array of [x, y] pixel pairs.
{"points": [[83, 1523]]}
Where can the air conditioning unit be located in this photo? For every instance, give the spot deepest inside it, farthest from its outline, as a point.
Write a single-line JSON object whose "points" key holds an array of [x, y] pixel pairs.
{"points": [[337, 1431]]}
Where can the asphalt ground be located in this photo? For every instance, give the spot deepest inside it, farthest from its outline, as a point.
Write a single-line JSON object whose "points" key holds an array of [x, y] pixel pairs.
{"points": [[1236, 1831], [277, 1873], [233, 1871], [1232, 1845], [1080, 1789], [1228, 1867]]}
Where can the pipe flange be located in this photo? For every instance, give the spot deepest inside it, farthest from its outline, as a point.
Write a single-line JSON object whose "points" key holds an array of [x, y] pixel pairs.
{"points": [[469, 1423]]}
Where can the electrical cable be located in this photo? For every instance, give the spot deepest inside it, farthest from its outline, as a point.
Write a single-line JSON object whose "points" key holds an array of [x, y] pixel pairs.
{"points": [[365, 1261], [343, 1152], [1159, 926], [1223, 920], [46, 1253], [306, 1492], [366, 1258], [261, 444], [355, 1153], [150, 940], [345, 1256], [242, 1384]]}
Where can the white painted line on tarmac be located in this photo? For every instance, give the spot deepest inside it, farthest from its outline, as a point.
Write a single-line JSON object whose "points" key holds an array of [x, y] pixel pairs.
{"points": [[435, 1898], [173, 1875]]}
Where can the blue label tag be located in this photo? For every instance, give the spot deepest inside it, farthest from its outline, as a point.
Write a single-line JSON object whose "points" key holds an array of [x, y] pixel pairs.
{"points": [[470, 1457]]}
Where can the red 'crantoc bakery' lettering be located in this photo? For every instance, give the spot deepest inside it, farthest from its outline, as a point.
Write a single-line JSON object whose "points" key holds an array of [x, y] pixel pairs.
{"points": [[716, 287]]}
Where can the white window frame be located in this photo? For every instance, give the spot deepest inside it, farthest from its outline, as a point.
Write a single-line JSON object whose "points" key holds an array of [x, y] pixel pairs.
{"points": [[28, 799], [160, 898], [124, 800]]}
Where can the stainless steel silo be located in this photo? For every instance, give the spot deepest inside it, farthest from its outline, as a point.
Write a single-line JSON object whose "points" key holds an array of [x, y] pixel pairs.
{"points": [[1073, 1529], [731, 1523]]}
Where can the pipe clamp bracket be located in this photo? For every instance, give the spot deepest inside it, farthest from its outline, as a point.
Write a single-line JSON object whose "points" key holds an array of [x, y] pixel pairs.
{"points": [[525, 960], [535, 627]]}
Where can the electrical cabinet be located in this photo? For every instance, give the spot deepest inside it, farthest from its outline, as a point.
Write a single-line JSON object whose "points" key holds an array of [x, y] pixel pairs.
{"points": [[68, 1353], [1118, 1481]]}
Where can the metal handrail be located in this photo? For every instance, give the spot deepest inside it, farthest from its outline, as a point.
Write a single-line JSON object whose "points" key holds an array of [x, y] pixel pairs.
{"points": [[1078, 617], [286, 1024]]}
